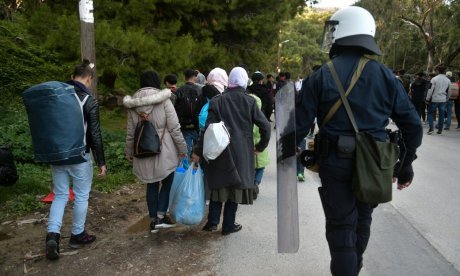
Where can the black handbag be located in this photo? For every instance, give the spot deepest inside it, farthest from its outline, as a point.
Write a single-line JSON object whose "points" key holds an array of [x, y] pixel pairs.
{"points": [[147, 142]]}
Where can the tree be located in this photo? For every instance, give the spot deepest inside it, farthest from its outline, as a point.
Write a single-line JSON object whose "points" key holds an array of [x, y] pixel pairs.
{"points": [[304, 33], [427, 30]]}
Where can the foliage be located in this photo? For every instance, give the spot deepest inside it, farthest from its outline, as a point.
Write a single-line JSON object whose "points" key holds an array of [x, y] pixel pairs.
{"points": [[302, 51], [421, 33]]}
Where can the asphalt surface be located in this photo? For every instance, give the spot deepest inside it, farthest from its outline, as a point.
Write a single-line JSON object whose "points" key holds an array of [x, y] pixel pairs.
{"points": [[418, 233]]}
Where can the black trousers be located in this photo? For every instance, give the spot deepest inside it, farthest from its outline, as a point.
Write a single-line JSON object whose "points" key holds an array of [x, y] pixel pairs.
{"points": [[215, 210], [419, 106], [348, 221]]}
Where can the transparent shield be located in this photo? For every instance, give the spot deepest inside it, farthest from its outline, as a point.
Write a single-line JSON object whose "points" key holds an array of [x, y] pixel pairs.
{"points": [[328, 35]]}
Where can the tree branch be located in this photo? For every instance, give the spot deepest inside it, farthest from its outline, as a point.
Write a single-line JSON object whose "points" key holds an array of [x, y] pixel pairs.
{"points": [[452, 56]]}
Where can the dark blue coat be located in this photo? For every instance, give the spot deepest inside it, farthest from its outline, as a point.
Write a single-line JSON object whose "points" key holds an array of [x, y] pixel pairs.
{"points": [[376, 97]]}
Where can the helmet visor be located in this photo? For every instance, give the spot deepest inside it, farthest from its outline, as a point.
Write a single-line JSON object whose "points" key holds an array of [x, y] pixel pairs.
{"points": [[328, 35]]}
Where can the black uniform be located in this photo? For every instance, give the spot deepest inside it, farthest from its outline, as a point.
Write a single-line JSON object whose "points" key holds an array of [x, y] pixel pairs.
{"points": [[376, 97]]}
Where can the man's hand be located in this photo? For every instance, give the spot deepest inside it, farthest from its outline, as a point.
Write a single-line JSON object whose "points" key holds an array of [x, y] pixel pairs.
{"points": [[183, 155], [195, 158], [102, 171], [405, 175]]}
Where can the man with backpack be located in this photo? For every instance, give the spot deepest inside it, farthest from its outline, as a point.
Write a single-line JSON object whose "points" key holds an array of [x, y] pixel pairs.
{"points": [[188, 105], [78, 166]]}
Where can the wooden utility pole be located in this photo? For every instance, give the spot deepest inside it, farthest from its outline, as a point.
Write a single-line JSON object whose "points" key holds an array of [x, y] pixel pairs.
{"points": [[88, 43]]}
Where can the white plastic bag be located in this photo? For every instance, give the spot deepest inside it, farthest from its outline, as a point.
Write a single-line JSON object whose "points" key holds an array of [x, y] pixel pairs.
{"points": [[216, 139]]}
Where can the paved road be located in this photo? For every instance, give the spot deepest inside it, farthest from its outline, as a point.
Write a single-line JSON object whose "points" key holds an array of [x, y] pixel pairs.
{"points": [[418, 233]]}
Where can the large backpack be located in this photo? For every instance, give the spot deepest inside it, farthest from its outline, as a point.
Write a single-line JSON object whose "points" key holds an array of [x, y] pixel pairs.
{"points": [[8, 173], [56, 122], [188, 107]]}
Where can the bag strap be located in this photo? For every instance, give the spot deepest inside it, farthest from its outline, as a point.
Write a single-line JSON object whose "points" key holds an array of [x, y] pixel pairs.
{"points": [[362, 63]]}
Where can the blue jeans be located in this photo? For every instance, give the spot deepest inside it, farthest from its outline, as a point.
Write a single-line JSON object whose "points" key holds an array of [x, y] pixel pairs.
{"points": [[190, 136], [82, 178], [158, 200], [259, 173], [431, 108]]}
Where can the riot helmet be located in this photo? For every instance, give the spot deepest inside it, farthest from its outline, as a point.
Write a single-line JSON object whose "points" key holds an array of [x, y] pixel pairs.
{"points": [[350, 26]]}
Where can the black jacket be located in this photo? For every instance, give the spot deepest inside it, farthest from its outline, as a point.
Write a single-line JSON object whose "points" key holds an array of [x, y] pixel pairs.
{"points": [[376, 97], [262, 92], [419, 88], [185, 120], [239, 111], [91, 116]]}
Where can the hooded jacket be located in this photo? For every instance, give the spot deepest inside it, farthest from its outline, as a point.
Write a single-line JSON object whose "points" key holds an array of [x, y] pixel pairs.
{"points": [[162, 114]]}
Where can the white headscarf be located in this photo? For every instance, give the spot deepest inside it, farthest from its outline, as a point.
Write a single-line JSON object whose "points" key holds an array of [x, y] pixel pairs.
{"points": [[238, 78], [218, 78]]}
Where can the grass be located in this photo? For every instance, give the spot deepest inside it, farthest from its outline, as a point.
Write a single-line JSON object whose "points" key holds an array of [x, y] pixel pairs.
{"points": [[35, 179]]}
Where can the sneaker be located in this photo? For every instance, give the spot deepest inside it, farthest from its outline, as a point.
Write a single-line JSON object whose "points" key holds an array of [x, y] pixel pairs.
{"points": [[80, 240], [153, 228], [235, 228], [209, 227], [164, 223], [447, 128], [301, 177], [430, 131], [52, 246], [457, 127], [439, 132]]}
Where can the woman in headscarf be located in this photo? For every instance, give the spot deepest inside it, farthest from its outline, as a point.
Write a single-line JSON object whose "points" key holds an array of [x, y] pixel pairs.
{"points": [[230, 177], [154, 103], [217, 82]]}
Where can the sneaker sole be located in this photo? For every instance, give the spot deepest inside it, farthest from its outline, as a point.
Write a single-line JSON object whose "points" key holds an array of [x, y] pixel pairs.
{"points": [[51, 250], [154, 231], [165, 226]]}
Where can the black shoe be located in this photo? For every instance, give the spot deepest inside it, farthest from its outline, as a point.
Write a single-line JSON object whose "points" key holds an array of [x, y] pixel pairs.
{"points": [[439, 132], [164, 223], [153, 226], [210, 227], [236, 227], [52, 246], [430, 131], [80, 240], [446, 128]]}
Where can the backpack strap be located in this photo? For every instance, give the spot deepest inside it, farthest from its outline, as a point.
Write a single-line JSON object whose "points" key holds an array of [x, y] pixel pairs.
{"points": [[362, 63]]}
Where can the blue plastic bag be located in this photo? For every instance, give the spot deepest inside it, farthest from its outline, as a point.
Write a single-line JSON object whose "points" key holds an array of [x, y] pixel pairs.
{"points": [[179, 175], [188, 204]]}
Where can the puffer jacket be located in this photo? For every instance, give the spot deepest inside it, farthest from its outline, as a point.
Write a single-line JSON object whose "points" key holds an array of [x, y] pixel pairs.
{"points": [[91, 116], [163, 117]]}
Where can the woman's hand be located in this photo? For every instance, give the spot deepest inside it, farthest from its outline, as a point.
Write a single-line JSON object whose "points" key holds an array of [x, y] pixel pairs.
{"points": [[195, 158]]}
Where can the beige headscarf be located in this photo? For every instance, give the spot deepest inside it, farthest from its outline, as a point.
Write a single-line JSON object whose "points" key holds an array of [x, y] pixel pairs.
{"points": [[218, 78]]}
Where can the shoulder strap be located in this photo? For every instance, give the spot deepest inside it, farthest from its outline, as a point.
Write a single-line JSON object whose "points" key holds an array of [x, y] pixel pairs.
{"points": [[362, 63]]}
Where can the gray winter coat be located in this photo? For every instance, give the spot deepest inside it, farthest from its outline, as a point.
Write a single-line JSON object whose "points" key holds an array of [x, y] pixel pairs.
{"points": [[239, 111], [164, 118]]}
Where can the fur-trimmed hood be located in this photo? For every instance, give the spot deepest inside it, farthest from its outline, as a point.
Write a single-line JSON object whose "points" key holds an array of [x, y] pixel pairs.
{"points": [[146, 97]]}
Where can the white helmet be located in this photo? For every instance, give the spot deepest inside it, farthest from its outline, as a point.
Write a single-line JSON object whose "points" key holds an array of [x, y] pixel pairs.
{"points": [[350, 26]]}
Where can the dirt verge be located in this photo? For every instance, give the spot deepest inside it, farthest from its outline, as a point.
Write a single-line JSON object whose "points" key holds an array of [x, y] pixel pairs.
{"points": [[124, 245]]}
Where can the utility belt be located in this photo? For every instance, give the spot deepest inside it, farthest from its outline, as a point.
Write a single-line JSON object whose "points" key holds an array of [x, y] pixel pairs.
{"points": [[344, 146]]}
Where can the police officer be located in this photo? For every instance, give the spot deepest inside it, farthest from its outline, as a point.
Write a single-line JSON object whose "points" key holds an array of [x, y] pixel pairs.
{"points": [[376, 97]]}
